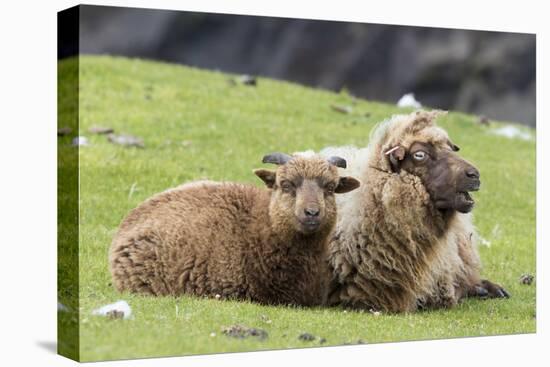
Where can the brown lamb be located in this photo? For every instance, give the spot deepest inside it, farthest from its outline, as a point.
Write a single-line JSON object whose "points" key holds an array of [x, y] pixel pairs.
{"points": [[236, 241], [405, 240]]}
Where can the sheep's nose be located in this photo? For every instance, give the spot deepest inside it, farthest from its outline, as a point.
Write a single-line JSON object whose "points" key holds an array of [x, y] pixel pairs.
{"points": [[472, 172], [311, 212]]}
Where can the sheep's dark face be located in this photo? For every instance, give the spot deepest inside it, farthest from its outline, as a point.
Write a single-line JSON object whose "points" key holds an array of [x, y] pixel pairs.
{"points": [[303, 193], [447, 177]]}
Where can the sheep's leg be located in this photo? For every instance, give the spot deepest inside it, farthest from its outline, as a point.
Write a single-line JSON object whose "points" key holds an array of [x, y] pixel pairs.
{"points": [[481, 289], [472, 285], [488, 289], [445, 294], [334, 296]]}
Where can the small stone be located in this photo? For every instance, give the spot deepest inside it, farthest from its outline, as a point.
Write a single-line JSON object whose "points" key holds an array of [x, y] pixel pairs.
{"points": [[526, 279], [61, 307], [306, 337], [64, 131], [212, 335], [483, 120], [80, 141], [244, 80], [342, 109], [126, 140], [408, 100], [374, 312], [217, 296], [248, 80], [100, 130], [120, 309]]}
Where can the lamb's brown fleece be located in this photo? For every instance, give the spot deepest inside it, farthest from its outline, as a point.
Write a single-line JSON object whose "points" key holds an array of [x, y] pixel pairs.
{"points": [[227, 239], [393, 250]]}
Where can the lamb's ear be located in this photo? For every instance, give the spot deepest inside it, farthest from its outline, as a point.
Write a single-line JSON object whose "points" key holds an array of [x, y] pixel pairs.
{"points": [[396, 155], [346, 184], [267, 176]]}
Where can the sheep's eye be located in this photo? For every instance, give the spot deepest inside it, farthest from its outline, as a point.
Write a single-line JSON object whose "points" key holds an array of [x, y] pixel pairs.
{"points": [[420, 155], [287, 186]]}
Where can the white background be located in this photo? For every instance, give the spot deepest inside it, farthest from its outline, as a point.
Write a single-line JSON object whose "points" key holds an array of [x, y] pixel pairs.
{"points": [[28, 62]]}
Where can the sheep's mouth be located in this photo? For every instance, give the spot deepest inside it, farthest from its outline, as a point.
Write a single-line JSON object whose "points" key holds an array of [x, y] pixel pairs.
{"points": [[466, 197], [309, 226], [464, 202]]}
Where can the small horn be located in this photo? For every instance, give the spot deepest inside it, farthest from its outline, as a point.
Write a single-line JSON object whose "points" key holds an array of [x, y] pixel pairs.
{"points": [[337, 161], [276, 158]]}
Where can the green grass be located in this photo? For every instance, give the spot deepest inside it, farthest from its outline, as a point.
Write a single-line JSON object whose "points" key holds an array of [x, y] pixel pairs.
{"points": [[229, 129]]}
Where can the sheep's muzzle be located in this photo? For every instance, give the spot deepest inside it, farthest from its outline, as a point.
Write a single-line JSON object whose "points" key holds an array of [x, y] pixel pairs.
{"points": [[448, 178]]}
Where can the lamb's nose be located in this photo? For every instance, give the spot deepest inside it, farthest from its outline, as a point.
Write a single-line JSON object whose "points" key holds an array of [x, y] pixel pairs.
{"points": [[311, 212], [472, 172]]}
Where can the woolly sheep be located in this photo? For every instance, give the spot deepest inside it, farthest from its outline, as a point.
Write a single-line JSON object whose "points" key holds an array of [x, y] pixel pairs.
{"points": [[405, 240], [236, 241]]}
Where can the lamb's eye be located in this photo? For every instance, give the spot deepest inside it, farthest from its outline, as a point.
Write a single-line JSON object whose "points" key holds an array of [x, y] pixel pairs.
{"points": [[419, 156]]}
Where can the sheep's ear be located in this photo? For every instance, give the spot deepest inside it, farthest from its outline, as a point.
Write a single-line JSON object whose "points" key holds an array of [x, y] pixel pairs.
{"points": [[346, 184], [267, 176], [396, 155]]}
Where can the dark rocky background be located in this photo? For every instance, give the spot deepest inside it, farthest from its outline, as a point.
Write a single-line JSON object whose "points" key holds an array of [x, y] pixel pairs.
{"points": [[486, 73]]}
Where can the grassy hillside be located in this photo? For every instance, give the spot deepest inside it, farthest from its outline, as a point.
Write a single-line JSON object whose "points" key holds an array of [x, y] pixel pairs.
{"points": [[195, 124]]}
